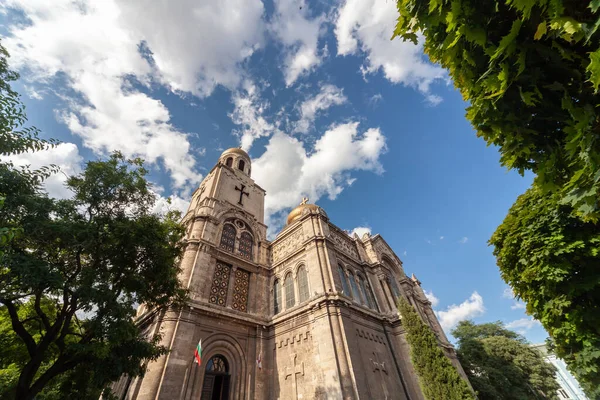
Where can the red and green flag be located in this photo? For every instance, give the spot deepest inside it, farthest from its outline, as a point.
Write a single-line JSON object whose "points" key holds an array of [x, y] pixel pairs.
{"points": [[198, 353]]}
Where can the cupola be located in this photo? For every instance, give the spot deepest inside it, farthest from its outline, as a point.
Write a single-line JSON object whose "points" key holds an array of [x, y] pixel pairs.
{"points": [[237, 159]]}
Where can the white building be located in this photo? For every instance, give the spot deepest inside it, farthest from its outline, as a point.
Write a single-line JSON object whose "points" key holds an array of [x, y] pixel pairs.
{"points": [[569, 387]]}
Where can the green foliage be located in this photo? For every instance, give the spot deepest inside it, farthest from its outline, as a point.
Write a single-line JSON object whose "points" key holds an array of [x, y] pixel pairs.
{"points": [[73, 271], [501, 365], [550, 258], [438, 378], [531, 72]]}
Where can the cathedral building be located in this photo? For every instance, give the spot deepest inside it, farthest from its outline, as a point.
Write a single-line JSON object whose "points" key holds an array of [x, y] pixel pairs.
{"points": [[308, 315]]}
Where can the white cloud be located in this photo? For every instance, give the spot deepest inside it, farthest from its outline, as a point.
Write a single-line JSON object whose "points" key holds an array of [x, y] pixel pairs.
{"points": [[441, 238], [523, 324], [96, 45], [366, 26], [329, 96], [463, 240], [518, 305], [287, 171], [248, 112], [64, 155], [431, 297], [508, 293], [375, 100], [405, 253], [360, 231], [293, 26], [470, 308]]}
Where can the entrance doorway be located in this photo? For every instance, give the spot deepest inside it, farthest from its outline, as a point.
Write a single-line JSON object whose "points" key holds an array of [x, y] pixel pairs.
{"points": [[216, 379]]}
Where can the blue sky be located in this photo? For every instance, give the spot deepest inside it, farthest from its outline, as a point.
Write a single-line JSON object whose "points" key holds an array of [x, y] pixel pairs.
{"points": [[324, 102]]}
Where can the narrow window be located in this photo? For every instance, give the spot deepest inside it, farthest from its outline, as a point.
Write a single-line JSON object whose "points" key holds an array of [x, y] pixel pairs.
{"points": [[229, 161], [394, 287], [228, 237], [355, 292], [371, 297], [241, 165], [246, 245], [385, 295], [277, 297], [345, 288], [363, 292], [288, 285], [302, 285]]}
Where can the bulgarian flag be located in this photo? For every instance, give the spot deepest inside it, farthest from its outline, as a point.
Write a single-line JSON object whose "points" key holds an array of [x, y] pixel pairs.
{"points": [[198, 353]]}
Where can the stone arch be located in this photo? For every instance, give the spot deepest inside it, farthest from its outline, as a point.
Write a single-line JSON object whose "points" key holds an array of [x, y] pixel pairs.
{"points": [[302, 282], [392, 265], [219, 344]]}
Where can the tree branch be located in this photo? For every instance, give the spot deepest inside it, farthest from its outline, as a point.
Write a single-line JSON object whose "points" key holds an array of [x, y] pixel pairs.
{"points": [[19, 328], [40, 313]]}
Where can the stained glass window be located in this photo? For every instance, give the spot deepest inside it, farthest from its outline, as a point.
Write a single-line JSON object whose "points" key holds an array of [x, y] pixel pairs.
{"points": [[394, 286], [240, 290], [220, 284], [228, 237], [345, 288], [355, 292], [246, 243], [302, 285], [288, 285], [363, 291], [277, 297], [217, 364]]}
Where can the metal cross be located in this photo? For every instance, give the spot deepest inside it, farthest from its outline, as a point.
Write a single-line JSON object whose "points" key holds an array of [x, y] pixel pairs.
{"points": [[297, 369], [242, 193], [377, 366]]}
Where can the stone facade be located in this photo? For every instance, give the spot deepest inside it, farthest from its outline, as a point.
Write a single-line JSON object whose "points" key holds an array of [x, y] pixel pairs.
{"points": [[315, 306]]}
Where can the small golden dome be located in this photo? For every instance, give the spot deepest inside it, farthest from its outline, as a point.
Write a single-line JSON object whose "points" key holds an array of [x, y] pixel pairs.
{"points": [[297, 212], [236, 150]]}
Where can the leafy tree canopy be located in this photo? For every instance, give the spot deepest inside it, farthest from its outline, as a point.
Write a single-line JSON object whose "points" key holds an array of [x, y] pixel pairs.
{"points": [[531, 72], [550, 258], [72, 271], [501, 365], [438, 378]]}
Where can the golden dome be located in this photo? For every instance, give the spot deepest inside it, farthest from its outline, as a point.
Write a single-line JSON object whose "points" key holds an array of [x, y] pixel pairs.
{"points": [[297, 212], [236, 150]]}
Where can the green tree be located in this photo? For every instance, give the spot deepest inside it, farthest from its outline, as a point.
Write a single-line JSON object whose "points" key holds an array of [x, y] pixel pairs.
{"points": [[501, 365], [531, 72], [438, 378], [98, 254], [550, 258]]}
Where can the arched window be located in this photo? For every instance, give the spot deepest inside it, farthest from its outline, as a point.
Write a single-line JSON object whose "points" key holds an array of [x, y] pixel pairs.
{"points": [[217, 364], [241, 165], [345, 288], [229, 161], [394, 287], [288, 285], [277, 297], [363, 291], [371, 297], [302, 284], [228, 237], [246, 243], [355, 292]]}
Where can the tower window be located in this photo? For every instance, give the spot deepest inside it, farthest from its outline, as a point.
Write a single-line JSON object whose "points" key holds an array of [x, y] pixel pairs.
{"points": [[241, 165], [228, 237], [288, 285], [220, 284], [229, 161], [246, 245], [240, 290], [302, 285], [277, 297]]}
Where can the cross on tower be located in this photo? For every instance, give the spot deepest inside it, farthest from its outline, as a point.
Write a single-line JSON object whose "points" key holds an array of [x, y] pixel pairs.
{"points": [[377, 366], [242, 193], [297, 369]]}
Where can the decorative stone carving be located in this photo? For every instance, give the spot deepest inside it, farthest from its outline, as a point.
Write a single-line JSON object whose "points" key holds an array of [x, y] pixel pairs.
{"points": [[288, 245], [345, 244], [240, 290], [220, 284]]}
